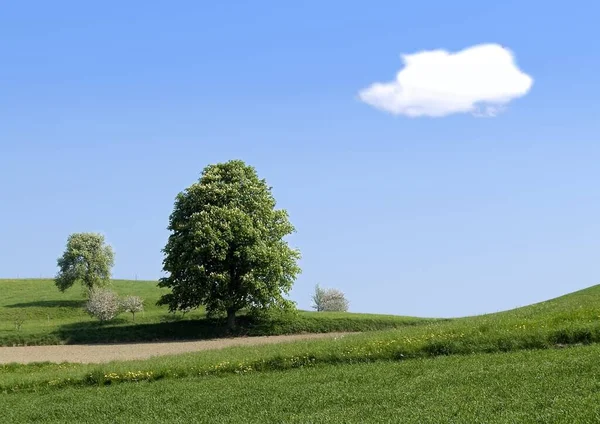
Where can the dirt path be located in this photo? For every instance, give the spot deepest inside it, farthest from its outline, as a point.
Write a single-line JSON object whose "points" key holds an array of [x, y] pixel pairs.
{"points": [[122, 352]]}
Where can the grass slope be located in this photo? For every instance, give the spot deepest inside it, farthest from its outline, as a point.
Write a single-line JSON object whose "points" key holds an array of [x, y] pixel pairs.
{"points": [[568, 320], [492, 368], [51, 317], [551, 386]]}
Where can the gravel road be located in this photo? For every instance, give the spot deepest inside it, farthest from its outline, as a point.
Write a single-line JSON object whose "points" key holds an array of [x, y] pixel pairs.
{"points": [[121, 352]]}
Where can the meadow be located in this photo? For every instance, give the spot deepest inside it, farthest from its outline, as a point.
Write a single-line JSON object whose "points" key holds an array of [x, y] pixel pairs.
{"points": [[34, 312], [568, 320], [550, 386], [532, 364]]}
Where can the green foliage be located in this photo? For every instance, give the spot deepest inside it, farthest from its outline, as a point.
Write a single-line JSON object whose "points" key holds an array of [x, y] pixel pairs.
{"points": [[226, 250], [86, 260]]}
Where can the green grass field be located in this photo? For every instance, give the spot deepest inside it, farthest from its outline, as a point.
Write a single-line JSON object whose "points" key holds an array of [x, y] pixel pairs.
{"points": [[532, 364], [551, 386], [51, 317], [568, 320]]}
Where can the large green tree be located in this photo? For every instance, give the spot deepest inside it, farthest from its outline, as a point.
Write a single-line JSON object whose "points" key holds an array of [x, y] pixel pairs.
{"points": [[226, 250], [87, 259]]}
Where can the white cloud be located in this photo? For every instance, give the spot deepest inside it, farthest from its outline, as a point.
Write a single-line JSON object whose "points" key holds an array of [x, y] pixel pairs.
{"points": [[480, 80]]}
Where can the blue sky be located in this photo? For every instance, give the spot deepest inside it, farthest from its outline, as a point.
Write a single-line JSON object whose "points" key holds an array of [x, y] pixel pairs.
{"points": [[107, 111]]}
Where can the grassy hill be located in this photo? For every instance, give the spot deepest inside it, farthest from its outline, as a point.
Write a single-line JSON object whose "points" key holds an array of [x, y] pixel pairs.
{"points": [[51, 317], [568, 320], [529, 364]]}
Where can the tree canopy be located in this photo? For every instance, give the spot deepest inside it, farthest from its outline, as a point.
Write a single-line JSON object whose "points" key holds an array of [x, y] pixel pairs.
{"points": [[87, 259], [226, 250]]}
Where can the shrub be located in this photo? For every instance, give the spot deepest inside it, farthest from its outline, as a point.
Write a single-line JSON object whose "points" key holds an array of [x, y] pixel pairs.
{"points": [[132, 304], [329, 300], [103, 304]]}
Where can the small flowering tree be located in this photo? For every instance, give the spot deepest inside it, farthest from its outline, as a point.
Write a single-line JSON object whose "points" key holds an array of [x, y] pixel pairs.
{"points": [[132, 304], [103, 304], [329, 300], [335, 301]]}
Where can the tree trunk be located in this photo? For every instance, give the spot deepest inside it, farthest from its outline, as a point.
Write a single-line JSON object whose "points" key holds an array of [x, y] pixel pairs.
{"points": [[230, 319]]}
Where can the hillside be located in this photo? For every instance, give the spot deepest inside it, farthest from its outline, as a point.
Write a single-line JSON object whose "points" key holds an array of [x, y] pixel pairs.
{"points": [[524, 365], [48, 316], [51, 317]]}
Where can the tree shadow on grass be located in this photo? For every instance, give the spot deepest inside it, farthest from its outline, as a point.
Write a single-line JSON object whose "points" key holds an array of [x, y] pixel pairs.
{"points": [[125, 331], [197, 329], [49, 304]]}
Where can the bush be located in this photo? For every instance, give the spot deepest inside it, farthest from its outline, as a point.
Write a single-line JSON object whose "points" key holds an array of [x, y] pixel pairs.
{"points": [[132, 304], [103, 304], [329, 300]]}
